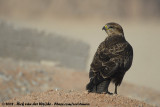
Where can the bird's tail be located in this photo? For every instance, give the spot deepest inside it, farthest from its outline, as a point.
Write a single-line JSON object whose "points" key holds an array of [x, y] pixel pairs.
{"points": [[90, 85], [94, 82]]}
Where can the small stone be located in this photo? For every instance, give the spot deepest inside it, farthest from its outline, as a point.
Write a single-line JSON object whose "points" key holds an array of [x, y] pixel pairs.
{"points": [[86, 92], [57, 89]]}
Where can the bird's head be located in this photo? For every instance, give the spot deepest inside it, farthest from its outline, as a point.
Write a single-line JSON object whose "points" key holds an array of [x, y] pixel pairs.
{"points": [[113, 29]]}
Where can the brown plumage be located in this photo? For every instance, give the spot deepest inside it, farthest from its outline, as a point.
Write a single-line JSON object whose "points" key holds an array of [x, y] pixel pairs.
{"points": [[111, 61]]}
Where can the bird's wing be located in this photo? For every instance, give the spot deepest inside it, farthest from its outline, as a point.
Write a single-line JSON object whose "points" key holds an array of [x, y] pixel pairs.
{"points": [[107, 59]]}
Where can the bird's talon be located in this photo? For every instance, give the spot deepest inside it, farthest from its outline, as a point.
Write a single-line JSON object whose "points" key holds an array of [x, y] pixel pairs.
{"points": [[110, 93]]}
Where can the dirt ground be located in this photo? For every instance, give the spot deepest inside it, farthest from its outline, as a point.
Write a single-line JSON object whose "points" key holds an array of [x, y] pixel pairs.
{"points": [[73, 98], [28, 82]]}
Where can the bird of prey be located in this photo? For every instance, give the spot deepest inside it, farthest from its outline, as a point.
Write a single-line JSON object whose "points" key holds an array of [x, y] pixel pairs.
{"points": [[111, 61]]}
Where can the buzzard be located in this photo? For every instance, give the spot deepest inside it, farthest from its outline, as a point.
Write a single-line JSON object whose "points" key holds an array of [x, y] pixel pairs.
{"points": [[111, 61]]}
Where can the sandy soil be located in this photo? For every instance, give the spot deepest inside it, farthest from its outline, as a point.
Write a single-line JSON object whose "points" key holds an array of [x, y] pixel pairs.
{"points": [[26, 78], [71, 98]]}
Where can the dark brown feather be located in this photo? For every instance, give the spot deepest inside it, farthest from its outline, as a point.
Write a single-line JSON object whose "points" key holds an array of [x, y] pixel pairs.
{"points": [[111, 61]]}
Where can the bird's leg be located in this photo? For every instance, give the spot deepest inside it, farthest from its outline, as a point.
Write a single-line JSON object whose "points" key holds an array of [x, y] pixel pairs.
{"points": [[107, 85], [96, 88], [104, 86], [115, 92]]}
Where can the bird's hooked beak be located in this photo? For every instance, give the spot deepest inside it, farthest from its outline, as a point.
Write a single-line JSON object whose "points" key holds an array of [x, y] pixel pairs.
{"points": [[104, 28]]}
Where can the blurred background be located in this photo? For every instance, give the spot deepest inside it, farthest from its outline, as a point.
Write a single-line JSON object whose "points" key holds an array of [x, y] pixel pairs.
{"points": [[66, 34]]}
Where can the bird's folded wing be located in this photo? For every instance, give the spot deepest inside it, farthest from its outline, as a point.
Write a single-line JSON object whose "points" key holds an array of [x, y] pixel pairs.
{"points": [[109, 69], [107, 60]]}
